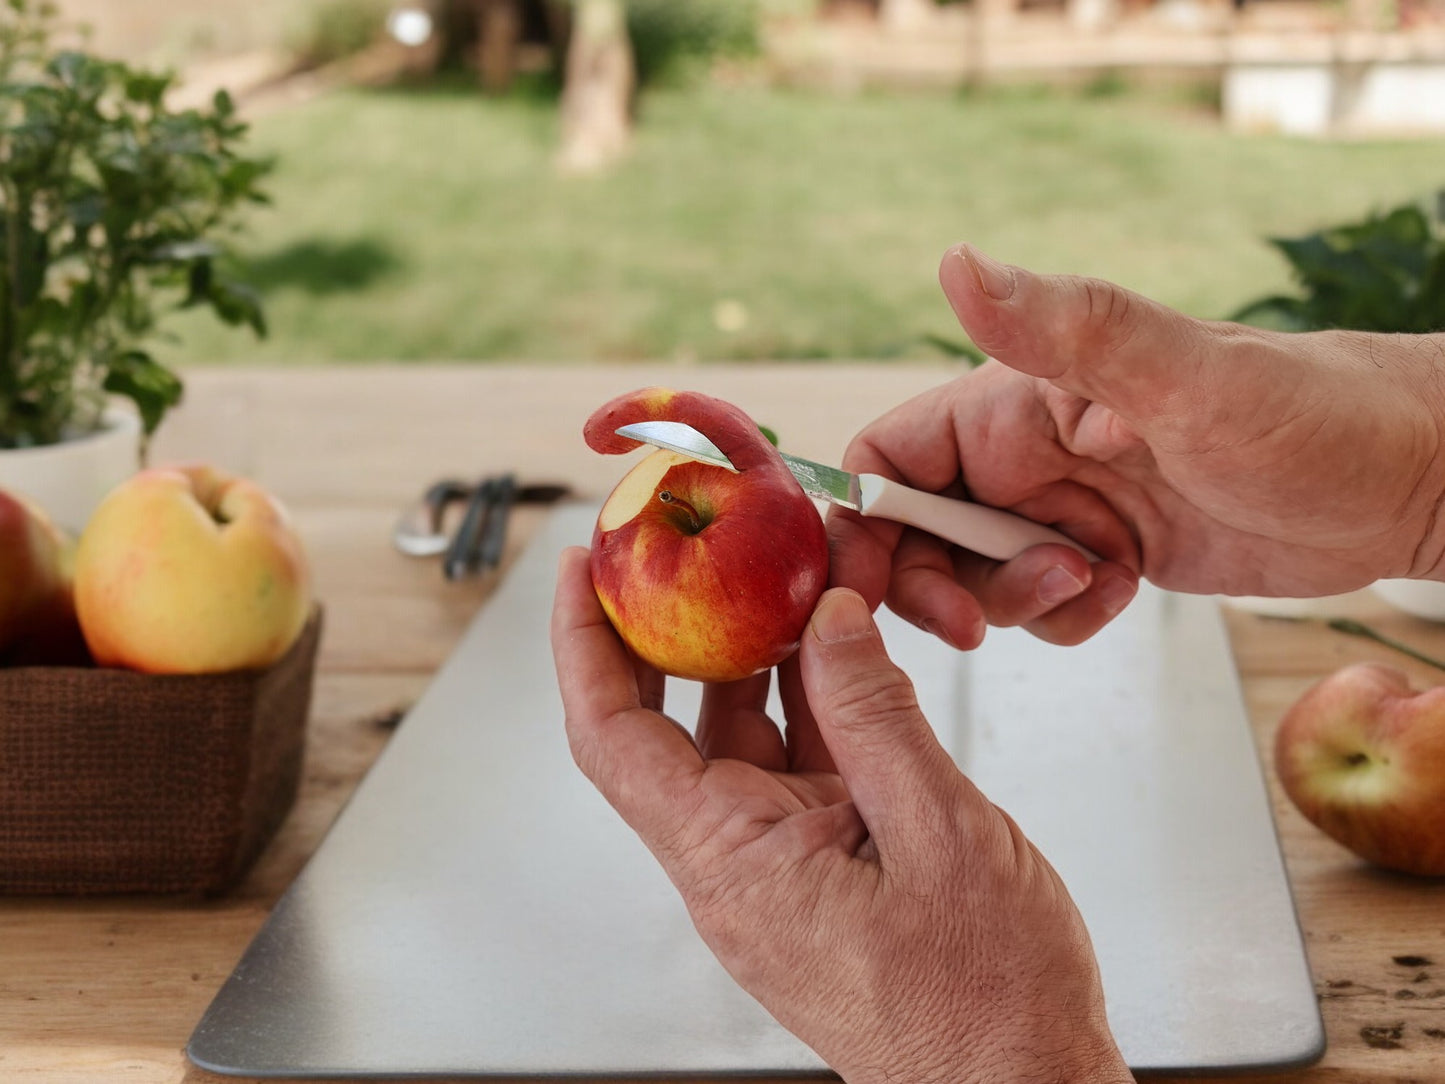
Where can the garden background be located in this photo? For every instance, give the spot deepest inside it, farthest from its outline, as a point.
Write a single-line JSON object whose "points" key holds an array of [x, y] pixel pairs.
{"points": [[756, 215]]}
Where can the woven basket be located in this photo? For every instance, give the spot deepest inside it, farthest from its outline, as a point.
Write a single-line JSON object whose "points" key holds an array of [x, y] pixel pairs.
{"points": [[116, 781]]}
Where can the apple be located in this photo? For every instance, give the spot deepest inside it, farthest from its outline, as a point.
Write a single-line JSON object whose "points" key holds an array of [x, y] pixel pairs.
{"points": [[189, 570], [37, 611], [705, 573], [1362, 755]]}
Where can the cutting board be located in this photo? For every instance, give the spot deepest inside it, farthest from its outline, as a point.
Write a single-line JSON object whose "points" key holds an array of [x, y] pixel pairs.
{"points": [[478, 909]]}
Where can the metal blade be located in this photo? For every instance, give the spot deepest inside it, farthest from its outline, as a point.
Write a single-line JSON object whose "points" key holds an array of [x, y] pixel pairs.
{"points": [[678, 437], [829, 483], [817, 479]]}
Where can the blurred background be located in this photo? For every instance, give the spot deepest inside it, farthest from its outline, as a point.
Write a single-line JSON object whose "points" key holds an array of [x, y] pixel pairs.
{"points": [[775, 179]]}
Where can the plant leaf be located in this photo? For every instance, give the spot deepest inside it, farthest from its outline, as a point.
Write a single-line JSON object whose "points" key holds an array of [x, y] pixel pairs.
{"points": [[151, 386]]}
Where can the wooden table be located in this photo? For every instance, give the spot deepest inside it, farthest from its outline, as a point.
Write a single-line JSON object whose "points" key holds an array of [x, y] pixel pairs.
{"points": [[110, 989]]}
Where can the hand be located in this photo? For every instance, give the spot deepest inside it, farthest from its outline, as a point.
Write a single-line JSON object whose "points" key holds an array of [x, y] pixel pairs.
{"points": [[1208, 457], [845, 873]]}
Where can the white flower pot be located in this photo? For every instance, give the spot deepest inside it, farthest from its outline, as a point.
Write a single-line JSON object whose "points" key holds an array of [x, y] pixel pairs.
{"points": [[1422, 598], [69, 479]]}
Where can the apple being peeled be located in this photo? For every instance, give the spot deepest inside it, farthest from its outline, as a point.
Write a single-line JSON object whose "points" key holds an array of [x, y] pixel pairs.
{"points": [[705, 573], [1362, 755], [37, 612], [190, 570]]}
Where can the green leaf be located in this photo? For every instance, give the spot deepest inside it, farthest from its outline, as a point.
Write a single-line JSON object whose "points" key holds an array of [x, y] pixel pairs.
{"points": [[151, 386], [199, 285], [147, 88], [1383, 273], [112, 202], [236, 303], [68, 68]]}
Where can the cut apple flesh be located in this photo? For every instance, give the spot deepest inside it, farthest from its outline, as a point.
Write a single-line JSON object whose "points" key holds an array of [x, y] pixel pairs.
{"points": [[636, 489]]}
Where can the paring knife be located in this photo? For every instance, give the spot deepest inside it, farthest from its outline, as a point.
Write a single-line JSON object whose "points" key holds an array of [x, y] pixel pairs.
{"points": [[991, 532]]}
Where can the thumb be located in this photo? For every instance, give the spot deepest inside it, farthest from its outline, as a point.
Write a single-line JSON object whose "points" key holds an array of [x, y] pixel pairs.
{"points": [[1089, 337], [890, 761]]}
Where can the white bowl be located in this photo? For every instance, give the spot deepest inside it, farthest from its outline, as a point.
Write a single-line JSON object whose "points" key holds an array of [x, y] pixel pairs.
{"points": [[1269, 606], [1423, 598]]}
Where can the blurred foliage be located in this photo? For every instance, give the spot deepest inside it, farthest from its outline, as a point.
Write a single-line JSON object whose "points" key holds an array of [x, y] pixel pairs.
{"points": [[111, 211], [336, 29], [673, 40], [1384, 273], [819, 218]]}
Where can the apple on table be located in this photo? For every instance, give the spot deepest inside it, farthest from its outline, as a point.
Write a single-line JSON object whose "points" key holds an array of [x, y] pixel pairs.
{"points": [[190, 569], [705, 573], [37, 612], [1362, 755]]}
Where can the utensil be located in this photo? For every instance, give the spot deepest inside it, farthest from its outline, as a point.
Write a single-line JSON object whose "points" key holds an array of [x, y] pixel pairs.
{"points": [[481, 536], [419, 533], [991, 532], [463, 555]]}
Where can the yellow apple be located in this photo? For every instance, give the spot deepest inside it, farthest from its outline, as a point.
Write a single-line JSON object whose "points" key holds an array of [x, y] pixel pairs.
{"points": [[189, 569], [37, 612], [1362, 755], [705, 573]]}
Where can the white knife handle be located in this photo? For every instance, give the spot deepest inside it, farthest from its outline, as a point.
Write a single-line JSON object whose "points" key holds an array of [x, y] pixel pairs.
{"points": [[991, 532]]}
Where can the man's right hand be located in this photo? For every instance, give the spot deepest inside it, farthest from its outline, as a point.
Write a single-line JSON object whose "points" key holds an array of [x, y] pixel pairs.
{"points": [[1206, 457]]}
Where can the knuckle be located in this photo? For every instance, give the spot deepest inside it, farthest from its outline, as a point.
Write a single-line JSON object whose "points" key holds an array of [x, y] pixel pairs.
{"points": [[1108, 309], [867, 697]]}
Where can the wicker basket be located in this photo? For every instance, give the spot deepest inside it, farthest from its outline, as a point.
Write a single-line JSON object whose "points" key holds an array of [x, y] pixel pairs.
{"points": [[115, 781]]}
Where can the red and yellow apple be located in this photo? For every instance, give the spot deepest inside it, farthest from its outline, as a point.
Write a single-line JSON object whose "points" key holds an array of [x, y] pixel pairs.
{"points": [[37, 612], [189, 569], [705, 573], [1362, 755]]}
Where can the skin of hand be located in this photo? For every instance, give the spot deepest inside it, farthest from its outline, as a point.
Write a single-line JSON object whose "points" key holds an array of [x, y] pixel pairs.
{"points": [[1207, 457], [843, 870]]}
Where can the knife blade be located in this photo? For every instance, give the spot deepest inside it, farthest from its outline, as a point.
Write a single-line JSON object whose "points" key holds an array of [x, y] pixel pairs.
{"points": [[989, 531]]}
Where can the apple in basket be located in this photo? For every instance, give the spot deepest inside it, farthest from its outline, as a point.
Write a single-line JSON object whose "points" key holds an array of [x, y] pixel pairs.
{"points": [[706, 573], [189, 569], [37, 613], [1362, 754]]}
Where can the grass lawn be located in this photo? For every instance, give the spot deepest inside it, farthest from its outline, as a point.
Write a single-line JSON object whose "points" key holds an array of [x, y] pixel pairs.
{"points": [[752, 223]]}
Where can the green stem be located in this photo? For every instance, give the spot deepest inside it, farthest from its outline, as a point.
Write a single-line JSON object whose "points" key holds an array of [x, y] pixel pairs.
{"points": [[1357, 628]]}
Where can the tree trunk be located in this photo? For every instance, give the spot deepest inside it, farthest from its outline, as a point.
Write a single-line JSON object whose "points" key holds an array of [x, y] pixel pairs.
{"points": [[501, 33], [597, 96]]}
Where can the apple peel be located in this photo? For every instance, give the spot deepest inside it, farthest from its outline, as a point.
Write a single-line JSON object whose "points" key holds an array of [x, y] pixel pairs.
{"points": [[705, 573]]}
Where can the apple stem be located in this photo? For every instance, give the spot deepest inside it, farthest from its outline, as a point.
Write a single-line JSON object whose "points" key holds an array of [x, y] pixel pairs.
{"points": [[667, 497]]}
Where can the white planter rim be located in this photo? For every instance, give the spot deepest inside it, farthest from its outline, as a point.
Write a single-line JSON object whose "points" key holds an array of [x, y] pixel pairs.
{"points": [[111, 419], [70, 478]]}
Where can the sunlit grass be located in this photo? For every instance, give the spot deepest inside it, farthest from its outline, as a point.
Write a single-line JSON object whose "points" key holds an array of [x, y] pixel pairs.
{"points": [[756, 224]]}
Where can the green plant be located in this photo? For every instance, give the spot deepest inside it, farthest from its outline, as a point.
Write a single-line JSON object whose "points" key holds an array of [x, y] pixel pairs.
{"points": [[112, 207], [336, 29], [671, 37], [1385, 273]]}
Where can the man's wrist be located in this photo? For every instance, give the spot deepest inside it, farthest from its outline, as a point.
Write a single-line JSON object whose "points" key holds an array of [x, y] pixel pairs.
{"points": [[1428, 561]]}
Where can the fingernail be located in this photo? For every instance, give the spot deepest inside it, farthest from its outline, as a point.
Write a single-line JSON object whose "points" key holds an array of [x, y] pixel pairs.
{"points": [[842, 615], [996, 279], [1058, 585], [1115, 593]]}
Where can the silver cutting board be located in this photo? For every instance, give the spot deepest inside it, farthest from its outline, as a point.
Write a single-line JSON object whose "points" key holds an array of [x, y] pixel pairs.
{"points": [[478, 909]]}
